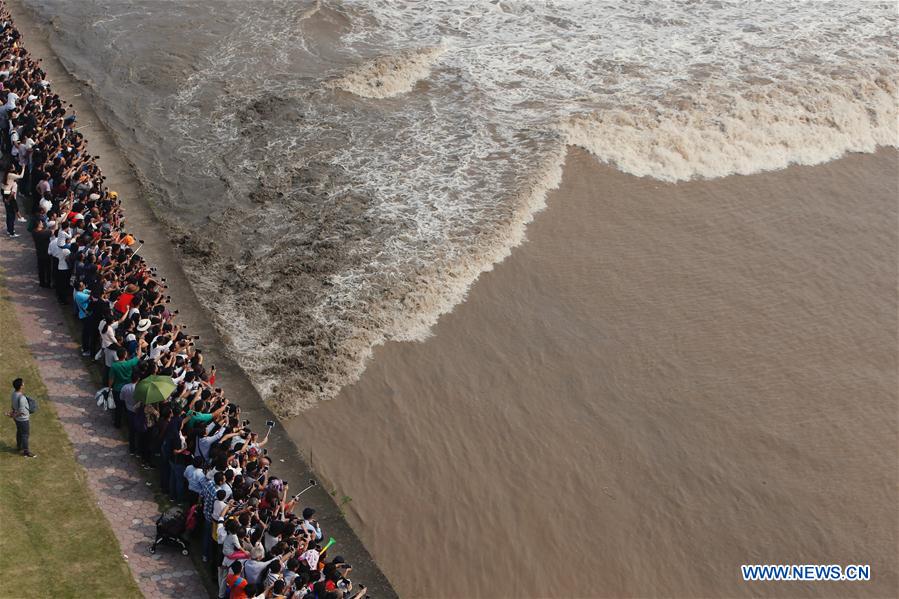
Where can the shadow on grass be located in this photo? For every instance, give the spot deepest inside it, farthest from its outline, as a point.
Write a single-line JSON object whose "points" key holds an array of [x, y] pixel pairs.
{"points": [[7, 447]]}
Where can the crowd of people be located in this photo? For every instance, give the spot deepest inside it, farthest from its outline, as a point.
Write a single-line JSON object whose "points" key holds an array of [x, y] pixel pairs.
{"points": [[208, 458]]}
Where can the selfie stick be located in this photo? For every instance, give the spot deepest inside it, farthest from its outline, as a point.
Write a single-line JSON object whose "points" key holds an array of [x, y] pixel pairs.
{"points": [[304, 490]]}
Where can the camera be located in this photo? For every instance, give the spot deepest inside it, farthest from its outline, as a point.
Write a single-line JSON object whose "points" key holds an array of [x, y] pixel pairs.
{"points": [[270, 423]]}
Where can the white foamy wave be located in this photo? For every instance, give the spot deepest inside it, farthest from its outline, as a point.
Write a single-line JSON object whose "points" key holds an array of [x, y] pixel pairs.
{"points": [[408, 316], [670, 91], [375, 217], [311, 11], [389, 76], [765, 132]]}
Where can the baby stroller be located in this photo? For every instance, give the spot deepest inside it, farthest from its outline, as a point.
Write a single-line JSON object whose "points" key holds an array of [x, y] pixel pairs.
{"points": [[170, 525]]}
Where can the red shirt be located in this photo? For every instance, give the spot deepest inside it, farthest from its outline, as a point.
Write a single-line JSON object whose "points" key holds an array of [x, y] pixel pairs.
{"points": [[238, 585], [124, 302]]}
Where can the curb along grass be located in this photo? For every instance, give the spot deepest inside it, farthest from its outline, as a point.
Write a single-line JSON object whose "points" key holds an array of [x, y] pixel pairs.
{"points": [[57, 541]]}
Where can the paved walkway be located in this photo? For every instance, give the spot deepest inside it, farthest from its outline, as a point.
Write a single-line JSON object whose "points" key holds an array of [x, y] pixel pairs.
{"points": [[112, 475]]}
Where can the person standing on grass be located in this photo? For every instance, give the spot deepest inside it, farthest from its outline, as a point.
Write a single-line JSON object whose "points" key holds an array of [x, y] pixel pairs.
{"points": [[21, 414]]}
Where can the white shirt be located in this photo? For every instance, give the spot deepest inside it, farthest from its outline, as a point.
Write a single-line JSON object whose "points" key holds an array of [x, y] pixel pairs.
{"points": [[231, 544], [109, 357], [195, 478], [63, 262], [268, 541], [311, 557], [218, 508], [53, 248], [158, 350], [108, 338], [11, 99]]}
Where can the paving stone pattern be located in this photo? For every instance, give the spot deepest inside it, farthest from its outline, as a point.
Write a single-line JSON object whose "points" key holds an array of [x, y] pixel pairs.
{"points": [[113, 475]]}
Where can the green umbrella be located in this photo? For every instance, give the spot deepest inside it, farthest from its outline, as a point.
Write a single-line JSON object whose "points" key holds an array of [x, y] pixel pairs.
{"points": [[154, 389]]}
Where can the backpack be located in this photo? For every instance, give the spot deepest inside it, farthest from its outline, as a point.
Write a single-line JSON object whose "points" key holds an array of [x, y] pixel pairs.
{"points": [[32, 404]]}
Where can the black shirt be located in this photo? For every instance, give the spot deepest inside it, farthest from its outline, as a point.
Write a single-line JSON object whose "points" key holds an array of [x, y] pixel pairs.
{"points": [[41, 241]]}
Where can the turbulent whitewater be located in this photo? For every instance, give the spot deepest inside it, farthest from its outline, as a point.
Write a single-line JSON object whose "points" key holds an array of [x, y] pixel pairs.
{"points": [[339, 173]]}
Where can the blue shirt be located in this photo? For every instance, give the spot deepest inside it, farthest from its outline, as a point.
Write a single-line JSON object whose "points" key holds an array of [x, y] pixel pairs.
{"points": [[204, 444], [82, 300], [316, 530]]}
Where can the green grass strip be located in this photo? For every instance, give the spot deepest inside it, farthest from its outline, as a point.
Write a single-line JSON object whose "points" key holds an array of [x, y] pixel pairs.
{"points": [[54, 539]]}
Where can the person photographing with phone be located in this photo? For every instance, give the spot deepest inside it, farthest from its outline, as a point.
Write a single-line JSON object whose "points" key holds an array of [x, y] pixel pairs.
{"points": [[311, 525]]}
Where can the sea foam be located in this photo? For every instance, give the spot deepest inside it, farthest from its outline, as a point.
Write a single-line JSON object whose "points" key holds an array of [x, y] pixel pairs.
{"points": [[383, 205], [390, 75]]}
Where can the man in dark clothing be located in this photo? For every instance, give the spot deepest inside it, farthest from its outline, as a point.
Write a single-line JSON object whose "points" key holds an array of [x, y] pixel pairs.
{"points": [[12, 209], [99, 307], [29, 122], [37, 172], [41, 237], [89, 271]]}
